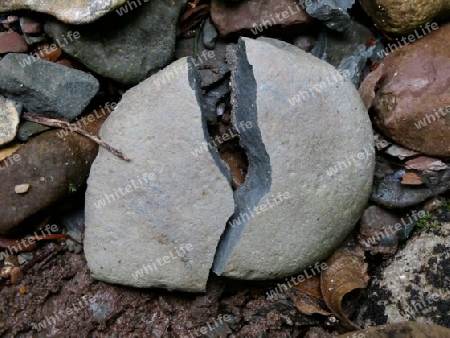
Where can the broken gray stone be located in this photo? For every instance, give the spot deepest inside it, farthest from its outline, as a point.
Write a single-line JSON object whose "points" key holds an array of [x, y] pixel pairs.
{"points": [[46, 87], [77, 11], [209, 34], [126, 48], [9, 120], [302, 212], [187, 203]]}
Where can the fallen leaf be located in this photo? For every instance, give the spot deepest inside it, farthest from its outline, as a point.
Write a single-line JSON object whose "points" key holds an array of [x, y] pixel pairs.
{"points": [[346, 273], [411, 179], [307, 296]]}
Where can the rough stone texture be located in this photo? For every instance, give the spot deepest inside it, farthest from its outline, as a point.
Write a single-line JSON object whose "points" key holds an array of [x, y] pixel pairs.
{"points": [[332, 13], [12, 42], [230, 19], [125, 48], [53, 166], [403, 16], [188, 201], [77, 11], [46, 87], [289, 152], [27, 129], [9, 120], [416, 280], [412, 102], [404, 330]]}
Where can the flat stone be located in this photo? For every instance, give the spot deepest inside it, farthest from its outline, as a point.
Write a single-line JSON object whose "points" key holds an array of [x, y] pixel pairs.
{"points": [[12, 42], [9, 120], [28, 129], [173, 200], [46, 87], [258, 15], [126, 48], [76, 12], [297, 204]]}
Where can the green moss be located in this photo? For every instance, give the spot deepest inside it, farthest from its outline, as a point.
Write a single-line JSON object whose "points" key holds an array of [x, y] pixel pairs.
{"points": [[427, 221]]}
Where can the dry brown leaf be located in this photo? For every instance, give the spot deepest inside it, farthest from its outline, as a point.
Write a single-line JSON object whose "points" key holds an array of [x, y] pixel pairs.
{"points": [[411, 179], [403, 330], [308, 298], [345, 274], [367, 89]]}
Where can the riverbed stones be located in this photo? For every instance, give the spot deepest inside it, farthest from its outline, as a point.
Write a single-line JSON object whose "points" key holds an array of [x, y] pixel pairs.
{"points": [[77, 11], [125, 46], [156, 221], [311, 161], [46, 87]]}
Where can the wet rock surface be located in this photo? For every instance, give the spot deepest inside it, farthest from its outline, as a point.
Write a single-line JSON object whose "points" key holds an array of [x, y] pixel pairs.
{"points": [[79, 11], [46, 87], [153, 221], [287, 188], [144, 37]]}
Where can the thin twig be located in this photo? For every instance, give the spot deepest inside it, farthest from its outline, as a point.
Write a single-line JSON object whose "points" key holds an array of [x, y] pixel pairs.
{"points": [[72, 127]]}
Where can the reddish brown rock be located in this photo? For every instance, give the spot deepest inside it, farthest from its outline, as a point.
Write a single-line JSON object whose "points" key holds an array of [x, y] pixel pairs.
{"points": [[12, 42], [53, 164], [259, 15], [410, 96]]}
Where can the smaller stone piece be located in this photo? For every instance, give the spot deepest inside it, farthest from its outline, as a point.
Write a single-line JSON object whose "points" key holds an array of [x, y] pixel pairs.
{"points": [[333, 13], [9, 120], [16, 275], [12, 42], [257, 15], [27, 129], [46, 87], [209, 34], [402, 17], [22, 188], [30, 26], [77, 12]]}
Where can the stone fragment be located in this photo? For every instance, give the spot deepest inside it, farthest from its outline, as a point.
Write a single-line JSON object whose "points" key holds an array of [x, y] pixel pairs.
{"points": [[46, 87], [410, 96], [16, 275], [9, 120], [126, 48], [28, 129], [257, 16], [333, 13], [12, 42], [167, 208], [77, 12], [22, 188], [30, 26], [209, 34], [293, 209], [403, 17]]}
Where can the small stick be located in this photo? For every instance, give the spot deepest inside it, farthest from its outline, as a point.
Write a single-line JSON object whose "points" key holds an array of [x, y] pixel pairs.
{"points": [[72, 127]]}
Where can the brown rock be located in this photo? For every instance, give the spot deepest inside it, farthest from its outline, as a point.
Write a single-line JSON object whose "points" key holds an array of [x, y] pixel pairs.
{"points": [[48, 52], [12, 42], [16, 275], [253, 14], [403, 16], [412, 102], [53, 163]]}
